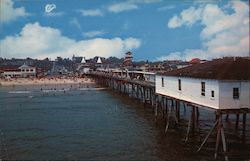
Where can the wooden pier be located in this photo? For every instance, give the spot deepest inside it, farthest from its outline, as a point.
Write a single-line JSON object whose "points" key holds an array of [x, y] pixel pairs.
{"points": [[141, 90], [169, 108]]}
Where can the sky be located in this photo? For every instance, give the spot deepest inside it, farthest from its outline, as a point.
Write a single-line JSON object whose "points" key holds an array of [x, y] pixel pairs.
{"points": [[151, 29]]}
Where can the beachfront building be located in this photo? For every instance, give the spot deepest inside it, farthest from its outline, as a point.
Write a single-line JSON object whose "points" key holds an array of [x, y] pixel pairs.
{"points": [[218, 84], [23, 71]]}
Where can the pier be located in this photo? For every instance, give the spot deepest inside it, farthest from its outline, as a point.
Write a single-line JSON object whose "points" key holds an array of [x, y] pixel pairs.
{"points": [[169, 108], [141, 90]]}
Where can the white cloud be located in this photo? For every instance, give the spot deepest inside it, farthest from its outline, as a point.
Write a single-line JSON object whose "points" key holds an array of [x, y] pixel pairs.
{"points": [[40, 42], [187, 55], [91, 12], [121, 7], [91, 34], [175, 22], [224, 33], [187, 17], [8, 13], [171, 56]]}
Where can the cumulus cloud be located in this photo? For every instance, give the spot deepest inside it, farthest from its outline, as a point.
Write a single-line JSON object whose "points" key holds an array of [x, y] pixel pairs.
{"points": [[93, 33], [171, 56], [224, 33], [187, 17], [8, 13], [40, 42], [91, 12]]}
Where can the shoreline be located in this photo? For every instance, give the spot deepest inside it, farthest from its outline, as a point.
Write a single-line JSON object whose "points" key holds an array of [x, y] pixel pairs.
{"points": [[44, 81]]}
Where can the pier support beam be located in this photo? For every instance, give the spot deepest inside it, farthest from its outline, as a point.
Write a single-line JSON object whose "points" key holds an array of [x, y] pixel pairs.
{"points": [[244, 127], [220, 135], [156, 106], [171, 113]]}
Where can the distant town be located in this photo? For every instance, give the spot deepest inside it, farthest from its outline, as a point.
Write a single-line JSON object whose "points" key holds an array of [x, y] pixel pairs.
{"points": [[78, 65]]}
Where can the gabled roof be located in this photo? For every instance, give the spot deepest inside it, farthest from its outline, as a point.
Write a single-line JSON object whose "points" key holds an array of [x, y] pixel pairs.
{"points": [[229, 68], [83, 60], [24, 66], [99, 61]]}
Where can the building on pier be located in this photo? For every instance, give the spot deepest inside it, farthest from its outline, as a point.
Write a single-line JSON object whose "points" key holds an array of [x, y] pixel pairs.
{"points": [[218, 84]]}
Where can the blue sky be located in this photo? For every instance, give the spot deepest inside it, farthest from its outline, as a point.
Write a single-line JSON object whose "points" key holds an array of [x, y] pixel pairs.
{"points": [[151, 29]]}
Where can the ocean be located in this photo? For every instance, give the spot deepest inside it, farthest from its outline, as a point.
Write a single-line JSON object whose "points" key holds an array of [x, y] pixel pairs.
{"points": [[92, 123]]}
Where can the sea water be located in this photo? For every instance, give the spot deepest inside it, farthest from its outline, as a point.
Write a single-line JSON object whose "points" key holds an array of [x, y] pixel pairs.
{"points": [[92, 123]]}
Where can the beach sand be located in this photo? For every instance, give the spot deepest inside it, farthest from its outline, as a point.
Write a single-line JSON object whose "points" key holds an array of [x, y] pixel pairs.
{"points": [[44, 81]]}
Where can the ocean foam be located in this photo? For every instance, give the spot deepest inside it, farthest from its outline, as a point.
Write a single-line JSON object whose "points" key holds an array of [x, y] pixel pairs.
{"points": [[19, 92]]}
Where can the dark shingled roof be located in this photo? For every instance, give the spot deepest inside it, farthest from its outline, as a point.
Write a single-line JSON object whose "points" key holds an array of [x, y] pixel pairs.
{"points": [[229, 68]]}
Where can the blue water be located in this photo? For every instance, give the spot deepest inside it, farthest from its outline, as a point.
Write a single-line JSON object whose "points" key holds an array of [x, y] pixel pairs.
{"points": [[88, 124]]}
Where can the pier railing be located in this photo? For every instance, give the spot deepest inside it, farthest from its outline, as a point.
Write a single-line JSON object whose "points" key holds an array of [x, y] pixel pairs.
{"points": [[124, 79]]}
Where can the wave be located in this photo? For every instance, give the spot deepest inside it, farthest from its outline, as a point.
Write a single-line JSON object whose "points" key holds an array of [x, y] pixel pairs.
{"points": [[91, 89], [19, 92], [54, 90]]}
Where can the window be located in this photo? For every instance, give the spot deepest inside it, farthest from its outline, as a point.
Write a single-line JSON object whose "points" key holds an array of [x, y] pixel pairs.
{"points": [[212, 94], [236, 94], [31, 70], [203, 88], [179, 84], [162, 81]]}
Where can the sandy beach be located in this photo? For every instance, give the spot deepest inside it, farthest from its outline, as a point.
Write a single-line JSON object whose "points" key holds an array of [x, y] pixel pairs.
{"points": [[44, 81]]}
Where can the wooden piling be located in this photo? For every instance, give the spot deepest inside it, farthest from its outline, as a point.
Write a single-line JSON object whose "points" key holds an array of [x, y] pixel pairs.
{"points": [[162, 106], [218, 135], [237, 121], [244, 127], [193, 118]]}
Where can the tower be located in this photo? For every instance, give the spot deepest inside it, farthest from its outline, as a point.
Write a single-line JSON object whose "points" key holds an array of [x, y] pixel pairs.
{"points": [[128, 59]]}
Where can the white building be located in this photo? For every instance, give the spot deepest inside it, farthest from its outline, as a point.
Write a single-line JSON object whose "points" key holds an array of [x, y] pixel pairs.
{"points": [[218, 84], [23, 71]]}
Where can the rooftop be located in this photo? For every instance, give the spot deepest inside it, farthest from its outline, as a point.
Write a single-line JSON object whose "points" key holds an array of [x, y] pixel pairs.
{"points": [[228, 68], [24, 66]]}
